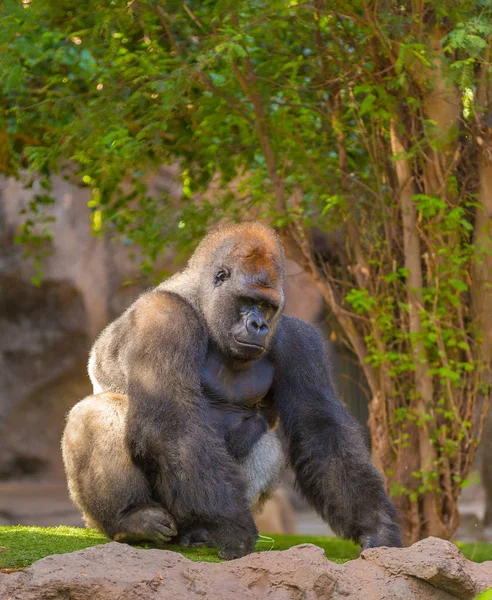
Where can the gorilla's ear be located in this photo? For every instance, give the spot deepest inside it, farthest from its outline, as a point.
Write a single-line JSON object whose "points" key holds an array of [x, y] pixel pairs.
{"points": [[221, 275]]}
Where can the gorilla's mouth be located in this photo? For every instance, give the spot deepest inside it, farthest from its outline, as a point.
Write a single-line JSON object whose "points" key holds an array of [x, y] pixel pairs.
{"points": [[249, 345]]}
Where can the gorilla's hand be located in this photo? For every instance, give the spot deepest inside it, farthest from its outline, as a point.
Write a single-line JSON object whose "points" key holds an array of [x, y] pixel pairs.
{"points": [[370, 542], [236, 550], [196, 535], [235, 538], [388, 533]]}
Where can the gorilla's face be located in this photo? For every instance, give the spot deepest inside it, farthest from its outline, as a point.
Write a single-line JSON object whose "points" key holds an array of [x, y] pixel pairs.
{"points": [[243, 302], [253, 325]]}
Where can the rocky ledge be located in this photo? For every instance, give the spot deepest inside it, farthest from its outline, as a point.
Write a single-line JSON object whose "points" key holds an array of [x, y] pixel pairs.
{"points": [[431, 569]]}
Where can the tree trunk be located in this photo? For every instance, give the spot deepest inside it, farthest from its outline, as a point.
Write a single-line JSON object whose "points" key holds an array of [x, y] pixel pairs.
{"points": [[422, 519], [442, 105], [481, 290]]}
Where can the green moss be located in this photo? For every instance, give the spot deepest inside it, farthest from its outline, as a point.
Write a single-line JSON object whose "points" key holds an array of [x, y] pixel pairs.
{"points": [[20, 546]]}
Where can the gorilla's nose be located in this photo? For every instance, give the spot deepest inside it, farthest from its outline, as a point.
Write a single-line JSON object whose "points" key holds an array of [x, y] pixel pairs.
{"points": [[257, 326]]}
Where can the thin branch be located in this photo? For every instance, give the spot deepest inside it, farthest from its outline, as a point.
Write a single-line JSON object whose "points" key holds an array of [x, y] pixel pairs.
{"points": [[192, 16], [163, 18], [229, 100], [247, 83], [344, 317]]}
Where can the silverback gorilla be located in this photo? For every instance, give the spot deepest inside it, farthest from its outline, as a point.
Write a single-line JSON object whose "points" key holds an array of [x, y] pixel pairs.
{"points": [[189, 383]]}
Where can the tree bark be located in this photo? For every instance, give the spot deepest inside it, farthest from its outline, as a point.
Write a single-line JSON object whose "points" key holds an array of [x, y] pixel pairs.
{"points": [[481, 290], [429, 523], [442, 105], [482, 269]]}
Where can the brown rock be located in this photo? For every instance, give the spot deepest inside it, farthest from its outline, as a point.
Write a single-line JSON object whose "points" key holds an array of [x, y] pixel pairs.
{"points": [[430, 570], [433, 560]]}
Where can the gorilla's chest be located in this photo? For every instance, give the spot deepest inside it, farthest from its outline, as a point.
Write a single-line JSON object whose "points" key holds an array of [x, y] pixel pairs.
{"points": [[235, 389]]}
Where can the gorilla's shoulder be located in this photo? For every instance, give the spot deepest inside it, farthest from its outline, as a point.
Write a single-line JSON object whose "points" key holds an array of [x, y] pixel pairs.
{"points": [[158, 307], [295, 334], [292, 326], [162, 299]]}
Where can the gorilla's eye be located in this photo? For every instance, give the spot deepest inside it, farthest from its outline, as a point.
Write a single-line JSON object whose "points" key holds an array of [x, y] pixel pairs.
{"points": [[268, 309], [221, 276]]}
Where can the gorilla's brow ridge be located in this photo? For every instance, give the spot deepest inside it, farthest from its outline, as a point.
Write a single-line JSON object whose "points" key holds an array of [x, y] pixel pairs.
{"points": [[260, 256], [263, 280]]}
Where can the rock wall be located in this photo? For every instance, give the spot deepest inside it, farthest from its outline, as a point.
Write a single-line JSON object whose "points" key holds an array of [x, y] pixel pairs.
{"points": [[46, 331]]}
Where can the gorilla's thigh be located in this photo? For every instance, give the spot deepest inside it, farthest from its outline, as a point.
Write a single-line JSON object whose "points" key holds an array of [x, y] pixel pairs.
{"points": [[102, 479], [262, 469]]}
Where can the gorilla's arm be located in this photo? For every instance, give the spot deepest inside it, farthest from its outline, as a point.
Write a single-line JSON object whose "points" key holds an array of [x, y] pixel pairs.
{"points": [[167, 432], [332, 465]]}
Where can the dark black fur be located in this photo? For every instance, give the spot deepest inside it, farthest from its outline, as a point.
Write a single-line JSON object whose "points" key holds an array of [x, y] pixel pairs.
{"points": [[326, 449], [240, 437], [194, 374]]}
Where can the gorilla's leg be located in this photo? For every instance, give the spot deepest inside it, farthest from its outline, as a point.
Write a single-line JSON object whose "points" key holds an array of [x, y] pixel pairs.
{"points": [[112, 493]]}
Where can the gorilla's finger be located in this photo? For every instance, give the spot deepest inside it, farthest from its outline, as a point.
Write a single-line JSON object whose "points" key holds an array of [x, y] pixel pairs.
{"points": [[369, 542], [185, 540], [200, 537], [194, 537], [163, 532], [232, 551]]}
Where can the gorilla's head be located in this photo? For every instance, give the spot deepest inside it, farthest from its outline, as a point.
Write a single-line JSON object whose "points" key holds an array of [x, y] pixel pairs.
{"points": [[241, 287]]}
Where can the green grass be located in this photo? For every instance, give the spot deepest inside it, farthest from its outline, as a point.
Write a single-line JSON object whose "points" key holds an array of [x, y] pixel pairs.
{"points": [[476, 551], [20, 546]]}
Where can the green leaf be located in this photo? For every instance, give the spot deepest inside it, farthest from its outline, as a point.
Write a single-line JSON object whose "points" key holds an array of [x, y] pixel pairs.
{"points": [[458, 285]]}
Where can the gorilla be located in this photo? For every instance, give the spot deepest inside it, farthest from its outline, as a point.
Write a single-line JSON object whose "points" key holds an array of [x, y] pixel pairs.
{"points": [[178, 442]]}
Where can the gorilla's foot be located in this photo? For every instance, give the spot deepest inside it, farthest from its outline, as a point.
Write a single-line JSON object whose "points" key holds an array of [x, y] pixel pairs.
{"points": [[195, 536], [146, 524]]}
